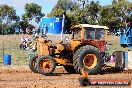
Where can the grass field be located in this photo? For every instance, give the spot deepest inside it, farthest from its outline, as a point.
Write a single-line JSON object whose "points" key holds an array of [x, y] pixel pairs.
{"points": [[20, 57], [11, 47], [115, 44]]}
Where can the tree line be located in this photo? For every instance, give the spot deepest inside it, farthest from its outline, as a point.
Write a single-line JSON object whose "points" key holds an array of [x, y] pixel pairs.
{"points": [[76, 11]]}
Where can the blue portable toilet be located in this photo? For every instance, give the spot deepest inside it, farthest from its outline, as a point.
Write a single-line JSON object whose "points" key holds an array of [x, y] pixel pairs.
{"points": [[17, 30], [52, 25]]}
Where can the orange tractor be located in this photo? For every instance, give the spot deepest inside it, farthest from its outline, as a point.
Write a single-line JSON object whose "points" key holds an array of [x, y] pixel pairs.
{"points": [[85, 49]]}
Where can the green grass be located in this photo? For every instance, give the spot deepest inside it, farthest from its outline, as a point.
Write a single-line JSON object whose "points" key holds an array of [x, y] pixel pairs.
{"points": [[20, 57], [115, 44], [11, 47]]}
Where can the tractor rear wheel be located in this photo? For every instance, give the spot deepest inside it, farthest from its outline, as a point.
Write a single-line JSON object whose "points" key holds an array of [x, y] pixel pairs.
{"points": [[46, 65], [88, 57], [32, 64]]}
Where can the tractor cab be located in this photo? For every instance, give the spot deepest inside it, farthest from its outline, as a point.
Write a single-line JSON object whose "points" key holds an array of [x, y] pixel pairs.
{"points": [[94, 35]]}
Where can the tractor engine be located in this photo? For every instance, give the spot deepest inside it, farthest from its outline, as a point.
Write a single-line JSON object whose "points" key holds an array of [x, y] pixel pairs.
{"points": [[61, 51]]}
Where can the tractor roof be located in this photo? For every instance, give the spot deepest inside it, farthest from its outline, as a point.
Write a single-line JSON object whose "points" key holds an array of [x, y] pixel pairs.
{"points": [[88, 25]]}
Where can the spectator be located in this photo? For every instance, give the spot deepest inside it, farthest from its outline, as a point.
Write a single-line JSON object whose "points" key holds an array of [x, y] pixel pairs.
{"points": [[33, 31], [32, 46], [36, 33], [44, 29], [112, 58], [27, 41], [23, 43]]}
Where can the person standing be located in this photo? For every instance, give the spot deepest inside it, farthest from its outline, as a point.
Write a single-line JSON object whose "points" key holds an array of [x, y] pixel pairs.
{"points": [[43, 29], [27, 40], [22, 44]]}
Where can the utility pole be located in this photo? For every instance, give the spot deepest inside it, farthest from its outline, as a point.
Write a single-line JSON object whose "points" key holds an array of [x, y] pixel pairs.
{"points": [[3, 50], [63, 24]]}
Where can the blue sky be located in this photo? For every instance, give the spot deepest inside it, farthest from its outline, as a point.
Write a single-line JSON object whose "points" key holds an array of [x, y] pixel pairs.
{"points": [[47, 5]]}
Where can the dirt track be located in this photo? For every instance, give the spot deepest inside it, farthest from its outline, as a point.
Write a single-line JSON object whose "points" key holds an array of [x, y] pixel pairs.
{"points": [[22, 77]]}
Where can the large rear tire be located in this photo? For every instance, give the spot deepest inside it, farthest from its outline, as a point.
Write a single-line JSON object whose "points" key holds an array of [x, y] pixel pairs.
{"points": [[46, 65], [88, 57], [32, 64]]}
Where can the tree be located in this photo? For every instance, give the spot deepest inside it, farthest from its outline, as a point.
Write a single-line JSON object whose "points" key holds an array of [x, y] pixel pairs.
{"points": [[32, 10], [8, 14], [114, 2], [78, 11], [124, 10], [68, 8], [24, 17], [7, 18], [83, 11], [61, 7], [108, 16], [92, 12], [115, 14]]}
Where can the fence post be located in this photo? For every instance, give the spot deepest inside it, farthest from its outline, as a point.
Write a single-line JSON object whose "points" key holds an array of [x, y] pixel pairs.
{"points": [[3, 50]]}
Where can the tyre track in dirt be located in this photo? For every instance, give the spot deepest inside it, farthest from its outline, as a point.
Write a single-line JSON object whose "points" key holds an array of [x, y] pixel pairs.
{"points": [[24, 78]]}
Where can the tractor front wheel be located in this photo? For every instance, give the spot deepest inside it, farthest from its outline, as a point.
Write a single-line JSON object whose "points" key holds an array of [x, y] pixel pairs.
{"points": [[46, 65], [32, 64]]}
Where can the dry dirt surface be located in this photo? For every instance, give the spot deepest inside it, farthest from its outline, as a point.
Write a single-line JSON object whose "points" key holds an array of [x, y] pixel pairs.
{"points": [[23, 77]]}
